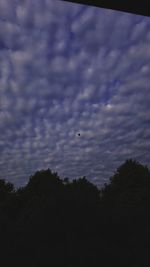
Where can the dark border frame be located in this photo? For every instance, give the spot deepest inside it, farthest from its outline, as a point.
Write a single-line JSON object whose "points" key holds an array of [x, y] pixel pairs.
{"points": [[139, 7]]}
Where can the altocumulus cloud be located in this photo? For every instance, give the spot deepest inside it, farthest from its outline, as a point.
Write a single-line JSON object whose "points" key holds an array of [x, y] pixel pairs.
{"points": [[67, 69]]}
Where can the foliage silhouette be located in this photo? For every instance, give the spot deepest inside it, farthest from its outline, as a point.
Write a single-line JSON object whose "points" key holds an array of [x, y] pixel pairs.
{"points": [[129, 186], [54, 222]]}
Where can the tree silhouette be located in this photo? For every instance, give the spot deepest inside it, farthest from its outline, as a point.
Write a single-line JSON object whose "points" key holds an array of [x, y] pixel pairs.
{"points": [[126, 202], [54, 222], [5, 189], [43, 181], [129, 185]]}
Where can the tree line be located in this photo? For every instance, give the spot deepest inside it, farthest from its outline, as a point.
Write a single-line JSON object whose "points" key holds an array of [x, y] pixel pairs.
{"points": [[55, 222]]}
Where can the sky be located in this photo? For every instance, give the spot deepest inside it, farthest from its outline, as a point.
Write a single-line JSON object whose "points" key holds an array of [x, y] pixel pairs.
{"points": [[66, 69]]}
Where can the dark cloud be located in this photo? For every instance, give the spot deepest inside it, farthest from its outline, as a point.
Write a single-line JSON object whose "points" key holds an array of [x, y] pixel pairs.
{"points": [[67, 69]]}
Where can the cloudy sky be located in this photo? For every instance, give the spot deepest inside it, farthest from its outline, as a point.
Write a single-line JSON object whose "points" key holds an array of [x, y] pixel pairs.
{"points": [[67, 69]]}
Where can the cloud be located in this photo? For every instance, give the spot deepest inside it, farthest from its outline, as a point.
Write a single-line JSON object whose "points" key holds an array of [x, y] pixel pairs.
{"points": [[67, 69]]}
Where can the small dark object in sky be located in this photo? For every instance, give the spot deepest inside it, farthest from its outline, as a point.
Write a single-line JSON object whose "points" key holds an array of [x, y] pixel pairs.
{"points": [[78, 134]]}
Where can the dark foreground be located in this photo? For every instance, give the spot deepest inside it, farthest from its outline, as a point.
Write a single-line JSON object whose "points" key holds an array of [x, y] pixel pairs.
{"points": [[54, 222]]}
